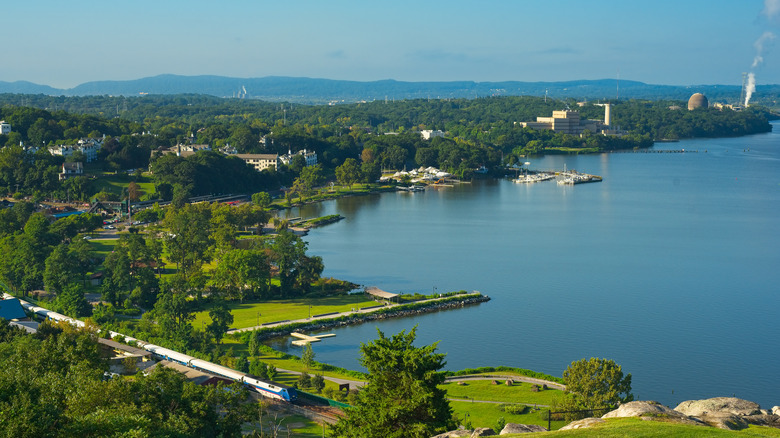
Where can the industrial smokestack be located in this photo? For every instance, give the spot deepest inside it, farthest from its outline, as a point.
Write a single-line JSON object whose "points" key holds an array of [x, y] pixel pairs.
{"points": [[607, 118]]}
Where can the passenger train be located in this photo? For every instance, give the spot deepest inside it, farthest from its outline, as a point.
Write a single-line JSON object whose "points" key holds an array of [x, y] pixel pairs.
{"points": [[266, 389]]}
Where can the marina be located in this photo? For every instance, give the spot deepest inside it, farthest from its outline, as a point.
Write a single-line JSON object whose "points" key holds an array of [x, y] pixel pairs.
{"points": [[662, 250]]}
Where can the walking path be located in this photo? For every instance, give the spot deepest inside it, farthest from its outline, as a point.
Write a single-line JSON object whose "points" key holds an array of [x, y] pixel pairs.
{"points": [[334, 315]]}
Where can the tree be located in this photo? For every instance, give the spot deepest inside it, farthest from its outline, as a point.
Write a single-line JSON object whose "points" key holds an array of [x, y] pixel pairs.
{"points": [[261, 199], [307, 356], [597, 383], [288, 252], [348, 173], [318, 383], [402, 386], [221, 318]]}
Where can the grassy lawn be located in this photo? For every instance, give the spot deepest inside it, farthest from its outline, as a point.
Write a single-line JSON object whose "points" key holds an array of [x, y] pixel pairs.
{"points": [[634, 427], [485, 390], [298, 425], [250, 314], [103, 248], [487, 414], [117, 183]]}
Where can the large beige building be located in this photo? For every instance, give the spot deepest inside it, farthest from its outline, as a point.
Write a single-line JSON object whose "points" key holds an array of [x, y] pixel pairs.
{"points": [[569, 122], [260, 161]]}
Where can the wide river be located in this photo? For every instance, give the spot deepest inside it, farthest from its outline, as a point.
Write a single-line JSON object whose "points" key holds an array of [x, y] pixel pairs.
{"points": [[670, 266]]}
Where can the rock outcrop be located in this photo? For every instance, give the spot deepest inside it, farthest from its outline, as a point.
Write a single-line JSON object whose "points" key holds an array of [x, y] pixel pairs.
{"points": [[727, 412], [649, 410], [584, 423], [482, 431], [521, 428], [730, 405]]}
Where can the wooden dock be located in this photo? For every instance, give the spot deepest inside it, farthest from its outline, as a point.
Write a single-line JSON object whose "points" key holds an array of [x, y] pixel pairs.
{"points": [[306, 339]]}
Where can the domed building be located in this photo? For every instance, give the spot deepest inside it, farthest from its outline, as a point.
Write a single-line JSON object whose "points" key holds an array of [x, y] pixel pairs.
{"points": [[698, 100]]}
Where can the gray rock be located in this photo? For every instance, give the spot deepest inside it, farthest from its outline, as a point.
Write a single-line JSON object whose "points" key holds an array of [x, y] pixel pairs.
{"points": [[454, 434], [482, 431], [642, 408], [729, 405], [521, 428], [776, 410], [724, 420], [584, 423]]}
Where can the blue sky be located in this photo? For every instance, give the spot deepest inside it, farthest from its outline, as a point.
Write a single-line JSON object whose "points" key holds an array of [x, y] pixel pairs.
{"points": [[681, 42]]}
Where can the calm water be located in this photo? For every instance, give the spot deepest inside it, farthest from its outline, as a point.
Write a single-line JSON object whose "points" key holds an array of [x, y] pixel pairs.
{"points": [[671, 267]]}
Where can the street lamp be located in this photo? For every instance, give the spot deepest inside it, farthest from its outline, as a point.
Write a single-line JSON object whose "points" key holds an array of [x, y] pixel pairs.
{"points": [[309, 311]]}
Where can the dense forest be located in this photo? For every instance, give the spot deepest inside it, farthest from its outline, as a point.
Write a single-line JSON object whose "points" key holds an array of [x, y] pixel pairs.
{"points": [[479, 132]]}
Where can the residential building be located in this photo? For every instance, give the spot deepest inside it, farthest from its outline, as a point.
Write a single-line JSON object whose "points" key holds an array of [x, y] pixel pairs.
{"points": [[260, 161], [5, 128], [69, 170], [428, 134], [89, 147], [309, 156]]}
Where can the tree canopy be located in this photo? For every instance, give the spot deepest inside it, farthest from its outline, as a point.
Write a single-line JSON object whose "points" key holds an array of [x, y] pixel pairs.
{"points": [[597, 383], [401, 398]]}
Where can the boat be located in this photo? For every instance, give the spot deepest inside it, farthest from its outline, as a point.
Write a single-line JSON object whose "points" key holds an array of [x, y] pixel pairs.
{"points": [[536, 177]]}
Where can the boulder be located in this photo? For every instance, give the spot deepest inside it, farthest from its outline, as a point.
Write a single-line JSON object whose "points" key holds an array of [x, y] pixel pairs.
{"points": [[521, 428], [776, 410], [482, 431], [458, 433], [649, 410], [584, 423], [724, 420], [728, 405]]}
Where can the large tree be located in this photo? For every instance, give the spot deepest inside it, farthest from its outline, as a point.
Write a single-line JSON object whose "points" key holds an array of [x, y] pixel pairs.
{"points": [[597, 383], [402, 398]]}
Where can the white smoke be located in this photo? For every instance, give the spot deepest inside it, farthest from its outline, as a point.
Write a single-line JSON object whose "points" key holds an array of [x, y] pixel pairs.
{"points": [[750, 87], [759, 45], [772, 12], [771, 8]]}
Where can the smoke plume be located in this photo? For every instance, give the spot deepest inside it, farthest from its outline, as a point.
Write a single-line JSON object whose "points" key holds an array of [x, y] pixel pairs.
{"points": [[759, 45], [750, 87], [772, 13], [771, 9]]}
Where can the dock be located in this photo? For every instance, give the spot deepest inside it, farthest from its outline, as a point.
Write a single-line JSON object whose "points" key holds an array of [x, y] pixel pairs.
{"points": [[306, 339]]}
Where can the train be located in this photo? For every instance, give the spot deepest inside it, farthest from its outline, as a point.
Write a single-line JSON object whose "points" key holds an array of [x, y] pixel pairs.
{"points": [[265, 389]]}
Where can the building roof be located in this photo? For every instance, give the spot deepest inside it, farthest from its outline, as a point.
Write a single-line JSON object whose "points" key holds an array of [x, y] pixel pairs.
{"points": [[375, 291], [11, 309], [124, 348]]}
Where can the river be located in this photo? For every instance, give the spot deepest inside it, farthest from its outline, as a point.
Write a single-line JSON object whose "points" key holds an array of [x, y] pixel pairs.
{"points": [[670, 266]]}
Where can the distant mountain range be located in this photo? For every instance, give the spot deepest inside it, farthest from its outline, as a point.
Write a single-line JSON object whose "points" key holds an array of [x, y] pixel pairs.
{"points": [[317, 91]]}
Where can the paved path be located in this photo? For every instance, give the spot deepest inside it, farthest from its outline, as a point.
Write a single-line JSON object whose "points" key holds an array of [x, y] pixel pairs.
{"points": [[336, 315], [525, 379]]}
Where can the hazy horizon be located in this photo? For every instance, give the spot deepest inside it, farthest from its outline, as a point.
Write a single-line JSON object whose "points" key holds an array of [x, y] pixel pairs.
{"points": [[666, 42]]}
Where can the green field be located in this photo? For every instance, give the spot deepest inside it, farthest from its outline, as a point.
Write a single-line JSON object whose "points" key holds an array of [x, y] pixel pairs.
{"points": [[519, 392], [116, 183], [635, 427], [487, 414], [252, 314]]}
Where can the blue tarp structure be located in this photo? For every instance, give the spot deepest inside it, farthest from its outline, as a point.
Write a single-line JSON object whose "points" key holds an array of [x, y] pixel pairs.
{"points": [[11, 309]]}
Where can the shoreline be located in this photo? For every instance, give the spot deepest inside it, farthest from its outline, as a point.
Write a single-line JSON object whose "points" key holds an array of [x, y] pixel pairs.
{"points": [[284, 328]]}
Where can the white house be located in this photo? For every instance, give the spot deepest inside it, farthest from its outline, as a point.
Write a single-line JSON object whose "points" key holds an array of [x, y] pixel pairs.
{"points": [[428, 134], [309, 156], [5, 127]]}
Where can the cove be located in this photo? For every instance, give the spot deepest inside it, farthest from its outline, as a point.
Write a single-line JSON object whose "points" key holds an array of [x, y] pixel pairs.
{"points": [[670, 266]]}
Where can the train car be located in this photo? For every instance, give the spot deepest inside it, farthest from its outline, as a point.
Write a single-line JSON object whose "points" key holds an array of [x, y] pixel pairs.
{"points": [[265, 389], [167, 354], [272, 390], [218, 369]]}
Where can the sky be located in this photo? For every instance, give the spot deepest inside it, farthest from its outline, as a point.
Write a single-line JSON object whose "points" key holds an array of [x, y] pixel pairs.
{"points": [[675, 42]]}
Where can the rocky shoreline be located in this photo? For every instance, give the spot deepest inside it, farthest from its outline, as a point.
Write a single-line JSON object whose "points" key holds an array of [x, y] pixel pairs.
{"points": [[380, 314], [727, 413]]}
